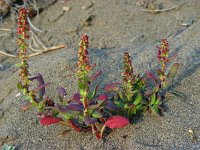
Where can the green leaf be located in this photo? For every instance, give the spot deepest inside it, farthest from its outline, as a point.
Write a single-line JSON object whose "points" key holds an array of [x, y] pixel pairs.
{"points": [[138, 107], [158, 101], [153, 98], [120, 94], [157, 88], [54, 112], [8, 147], [155, 110], [178, 94], [159, 72], [19, 85], [27, 97], [67, 116], [100, 104], [94, 92], [173, 70], [126, 106], [97, 114], [18, 65], [80, 84], [118, 103], [41, 105], [138, 99], [132, 110]]}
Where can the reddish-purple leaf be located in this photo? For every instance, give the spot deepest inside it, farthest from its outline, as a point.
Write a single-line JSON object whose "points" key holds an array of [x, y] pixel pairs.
{"points": [[148, 92], [112, 87], [103, 97], [151, 76], [33, 78], [75, 107], [40, 79], [49, 120], [88, 120], [41, 82], [116, 122], [42, 86], [62, 92], [98, 105], [112, 106], [92, 78], [73, 125], [76, 97]]}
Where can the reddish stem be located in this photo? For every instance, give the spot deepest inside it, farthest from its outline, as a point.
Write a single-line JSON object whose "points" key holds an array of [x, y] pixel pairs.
{"points": [[74, 126]]}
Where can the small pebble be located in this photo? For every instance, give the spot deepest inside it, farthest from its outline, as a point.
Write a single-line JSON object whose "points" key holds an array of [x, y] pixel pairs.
{"points": [[66, 8], [87, 5]]}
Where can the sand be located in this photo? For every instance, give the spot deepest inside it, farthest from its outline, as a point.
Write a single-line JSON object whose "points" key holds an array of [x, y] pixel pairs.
{"points": [[114, 27]]}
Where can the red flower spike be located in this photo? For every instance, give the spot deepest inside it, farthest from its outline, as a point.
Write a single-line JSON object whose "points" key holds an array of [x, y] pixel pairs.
{"points": [[116, 122], [49, 120]]}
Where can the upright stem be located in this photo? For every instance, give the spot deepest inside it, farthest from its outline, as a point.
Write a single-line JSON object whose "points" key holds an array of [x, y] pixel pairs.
{"points": [[163, 54], [128, 76], [22, 31], [83, 71]]}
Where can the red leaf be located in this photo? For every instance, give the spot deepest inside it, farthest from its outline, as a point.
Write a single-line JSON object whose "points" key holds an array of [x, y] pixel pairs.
{"points": [[112, 87], [48, 120], [116, 122], [103, 97]]}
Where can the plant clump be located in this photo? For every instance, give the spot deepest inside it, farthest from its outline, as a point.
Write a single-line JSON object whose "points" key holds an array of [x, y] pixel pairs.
{"points": [[87, 109]]}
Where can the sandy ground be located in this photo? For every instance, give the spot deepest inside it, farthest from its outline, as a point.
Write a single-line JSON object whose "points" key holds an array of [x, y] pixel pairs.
{"points": [[114, 26]]}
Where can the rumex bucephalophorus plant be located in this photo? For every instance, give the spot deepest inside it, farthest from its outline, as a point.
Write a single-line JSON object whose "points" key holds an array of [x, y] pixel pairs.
{"points": [[88, 110]]}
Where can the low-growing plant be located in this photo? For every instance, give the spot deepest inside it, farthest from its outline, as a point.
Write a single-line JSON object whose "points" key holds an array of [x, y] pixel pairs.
{"points": [[84, 111], [138, 94], [8, 147], [87, 110]]}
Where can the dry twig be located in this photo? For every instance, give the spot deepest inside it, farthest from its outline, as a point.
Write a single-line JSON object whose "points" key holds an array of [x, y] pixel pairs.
{"points": [[5, 29], [163, 10], [36, 53]]}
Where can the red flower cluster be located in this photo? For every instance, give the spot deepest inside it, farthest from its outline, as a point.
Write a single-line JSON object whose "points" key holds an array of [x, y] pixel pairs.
{"points": [[83, 58], [163, 58], [23, 26], [128, 76], [22, 31], [163, 53]]}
